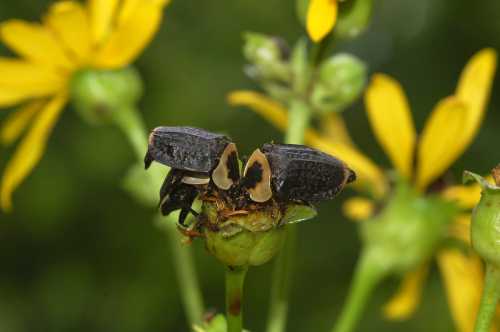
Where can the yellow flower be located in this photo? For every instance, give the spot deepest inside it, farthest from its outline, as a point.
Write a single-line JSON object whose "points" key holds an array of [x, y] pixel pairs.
{"points": [[102, 34], [321, 18], [448, 132]]}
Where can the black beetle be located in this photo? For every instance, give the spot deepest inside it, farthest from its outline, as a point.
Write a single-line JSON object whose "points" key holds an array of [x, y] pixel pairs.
{"points": [[283, 172], [195, 156], [291, 172]]}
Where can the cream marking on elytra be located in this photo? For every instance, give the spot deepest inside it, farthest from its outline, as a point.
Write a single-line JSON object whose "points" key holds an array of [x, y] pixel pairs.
{"points": [[261, 191], [195, 181], [220, 175]]}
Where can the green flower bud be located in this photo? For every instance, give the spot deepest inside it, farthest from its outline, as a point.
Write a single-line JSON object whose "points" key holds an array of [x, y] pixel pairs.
{"points": [[485, 225], [249, 239], [340, 82], [97, 94], [353, 18], [267, 56], [407, 231]]}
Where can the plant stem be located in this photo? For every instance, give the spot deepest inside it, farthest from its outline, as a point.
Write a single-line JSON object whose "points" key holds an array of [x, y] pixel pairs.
{"points": [[130, 122], [491, 294], [280, 287], [298, 122], [366, 277], [185, 271], [235, 278]]}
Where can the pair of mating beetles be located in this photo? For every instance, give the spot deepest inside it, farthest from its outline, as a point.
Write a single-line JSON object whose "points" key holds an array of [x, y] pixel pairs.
{"points": [[203, 162]]}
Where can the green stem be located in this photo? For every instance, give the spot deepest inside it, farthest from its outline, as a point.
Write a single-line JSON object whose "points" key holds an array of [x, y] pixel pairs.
{"points": [[130, 122], [491, 295], [318, 51], [366, 277], [185, 271], [283, 269], [280, 287], [235, 278], [298, 121]]}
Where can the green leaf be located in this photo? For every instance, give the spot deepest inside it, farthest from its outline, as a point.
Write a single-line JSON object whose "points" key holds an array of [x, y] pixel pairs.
{"points": [[296, 213], [485, 185]]}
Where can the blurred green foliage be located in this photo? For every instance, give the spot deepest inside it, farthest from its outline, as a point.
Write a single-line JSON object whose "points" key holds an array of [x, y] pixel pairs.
{"points": [[78, 254]]}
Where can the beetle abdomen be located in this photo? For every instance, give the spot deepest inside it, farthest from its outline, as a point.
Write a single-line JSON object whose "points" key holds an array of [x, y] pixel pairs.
{"points": [[306, 174], [185, 148]]}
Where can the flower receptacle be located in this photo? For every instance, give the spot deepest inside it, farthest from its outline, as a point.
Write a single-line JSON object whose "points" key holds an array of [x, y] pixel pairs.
{"points": [[250, 239], [98, 94], [407, 231]]}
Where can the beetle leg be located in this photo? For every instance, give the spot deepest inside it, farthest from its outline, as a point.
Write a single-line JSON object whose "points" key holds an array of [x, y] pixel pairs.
{"points": [[172, 179], [183, 215], [148, 159]]}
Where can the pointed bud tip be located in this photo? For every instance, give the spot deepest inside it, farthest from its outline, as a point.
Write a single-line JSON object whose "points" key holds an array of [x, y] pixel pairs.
{"points": [[495, 173]]}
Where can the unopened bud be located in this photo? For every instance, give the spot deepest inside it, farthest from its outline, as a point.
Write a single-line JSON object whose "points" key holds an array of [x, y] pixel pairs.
{"points": [[485, 225], [267, 56], [340, 82]]}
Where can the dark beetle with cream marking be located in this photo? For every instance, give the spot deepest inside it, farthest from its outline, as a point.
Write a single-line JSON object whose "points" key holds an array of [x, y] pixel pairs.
{"points": [[196, 156], [301, 173], [207, 163]]}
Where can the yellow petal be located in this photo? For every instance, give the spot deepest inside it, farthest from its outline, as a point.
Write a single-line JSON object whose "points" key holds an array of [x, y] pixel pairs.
{"points": [[465, 196], [390, 117], [69, 21], [439, 144], [30, 150], [334, 128], [368, 174], [11, 97], [20, 80], [321, 18], [473, 89], [358, 208], [16, 123], [102, 13], [463, 278], [407, 298], [137, 24], [34, 42], [460, 228]]}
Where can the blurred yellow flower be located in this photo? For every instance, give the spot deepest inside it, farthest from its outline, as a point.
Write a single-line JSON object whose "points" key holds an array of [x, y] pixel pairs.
{"points": [[102, 34], [448, 132], [321, 18]]}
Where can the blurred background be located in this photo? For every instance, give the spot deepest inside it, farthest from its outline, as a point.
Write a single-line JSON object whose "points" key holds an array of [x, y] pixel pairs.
{"points": [[79, 254]]}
